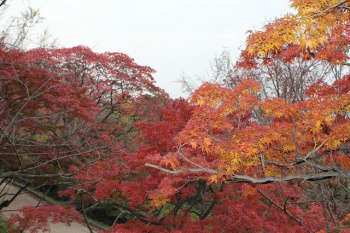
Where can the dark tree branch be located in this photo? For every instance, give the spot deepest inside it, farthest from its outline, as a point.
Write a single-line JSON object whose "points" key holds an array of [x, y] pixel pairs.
{"points": [[6, 203], [83, 210], [283, 209], [2, 3]]}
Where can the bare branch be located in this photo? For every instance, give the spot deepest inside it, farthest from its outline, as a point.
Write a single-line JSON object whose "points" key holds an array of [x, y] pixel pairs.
{"points": [[329, 8], [182, 170], [237, 178], [310, 177], [283, 209], [2, 3]]}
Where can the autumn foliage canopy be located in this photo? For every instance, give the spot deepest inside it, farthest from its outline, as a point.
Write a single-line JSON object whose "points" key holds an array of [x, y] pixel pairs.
{"points": [[267, 152]]}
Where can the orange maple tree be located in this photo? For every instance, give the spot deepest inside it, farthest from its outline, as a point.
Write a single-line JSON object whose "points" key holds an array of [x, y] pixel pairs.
{"points": [[310, 26], [295, 154]]}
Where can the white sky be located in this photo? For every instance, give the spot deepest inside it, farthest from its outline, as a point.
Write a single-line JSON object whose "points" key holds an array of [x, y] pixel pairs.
{"points": [[171, 36]]}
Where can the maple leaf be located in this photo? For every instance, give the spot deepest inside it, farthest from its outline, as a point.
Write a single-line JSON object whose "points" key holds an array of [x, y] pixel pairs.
{"points": [[213, 179]]}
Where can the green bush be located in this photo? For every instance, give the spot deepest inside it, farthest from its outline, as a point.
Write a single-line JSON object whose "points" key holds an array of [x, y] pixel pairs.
{"points": [[3, 228]]}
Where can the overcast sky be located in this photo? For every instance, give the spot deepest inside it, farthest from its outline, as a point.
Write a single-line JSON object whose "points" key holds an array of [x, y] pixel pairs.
{"points": [[171, 36]]}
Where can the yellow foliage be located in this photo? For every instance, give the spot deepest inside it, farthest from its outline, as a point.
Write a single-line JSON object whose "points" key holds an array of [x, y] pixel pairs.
{"points": [[200, 102], [318, 126], [307, 28], [213, 179], [266, 140], [193, 144], [207, 141], [270, 171], [41, 137], [333, 144], [159, 200], [289, 148]]}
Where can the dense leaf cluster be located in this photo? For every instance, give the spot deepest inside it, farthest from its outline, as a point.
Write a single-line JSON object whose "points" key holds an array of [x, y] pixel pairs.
{"points": [[267, 153]]}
